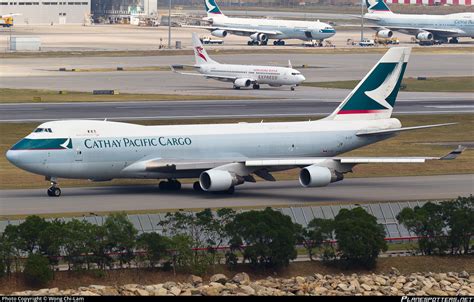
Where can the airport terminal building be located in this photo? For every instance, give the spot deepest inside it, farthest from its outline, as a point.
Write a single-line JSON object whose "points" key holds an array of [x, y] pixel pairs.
{"points": [[47, 11]]}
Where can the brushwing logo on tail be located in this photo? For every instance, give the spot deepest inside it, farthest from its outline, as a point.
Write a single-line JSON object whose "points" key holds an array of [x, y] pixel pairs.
{"points": [[212, 8], [199, 50], [381, 93], [378, 6]]}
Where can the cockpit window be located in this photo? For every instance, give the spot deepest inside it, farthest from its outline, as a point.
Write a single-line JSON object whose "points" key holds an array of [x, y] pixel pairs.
{"points": [[43, 144], [38, 130], [295, 73]]}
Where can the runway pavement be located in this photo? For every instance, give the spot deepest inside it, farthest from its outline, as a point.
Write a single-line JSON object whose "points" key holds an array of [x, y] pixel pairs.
{"points": [[355, 190], [214, 109], [42, 73]]}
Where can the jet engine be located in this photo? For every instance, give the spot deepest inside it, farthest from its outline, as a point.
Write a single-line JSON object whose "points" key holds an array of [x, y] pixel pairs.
{"points": [[424, 36], [317, 176], [385, 33], [219, 33], [219, 180], [242, 82], [259, 37]]}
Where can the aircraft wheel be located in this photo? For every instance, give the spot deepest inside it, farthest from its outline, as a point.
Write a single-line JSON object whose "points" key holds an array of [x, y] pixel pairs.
{"points": [[163, 185], [54, 192], [170, 185], [236, 87], [176, 185], [256, 86], [275, 43], [230, 191], [197, 187], [292, 88]]}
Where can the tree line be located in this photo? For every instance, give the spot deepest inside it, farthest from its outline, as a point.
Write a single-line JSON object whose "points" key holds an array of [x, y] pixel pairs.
{"points": [[196, 242]]}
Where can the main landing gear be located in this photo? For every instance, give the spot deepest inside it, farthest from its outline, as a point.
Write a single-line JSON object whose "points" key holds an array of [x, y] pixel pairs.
{"points": [[54, 190], [170, 185], [197, 187], [279, 42], [256, 42], [256, 86]]}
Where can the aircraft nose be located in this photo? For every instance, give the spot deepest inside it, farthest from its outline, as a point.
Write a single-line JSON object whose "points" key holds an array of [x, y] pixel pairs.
{"points": [[301, 78], [12, 156]]}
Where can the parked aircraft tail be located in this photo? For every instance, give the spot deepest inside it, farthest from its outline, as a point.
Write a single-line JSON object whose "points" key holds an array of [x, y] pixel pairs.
{"points": [[377, 6], [200, 53], [212, 8], [374, 97]]}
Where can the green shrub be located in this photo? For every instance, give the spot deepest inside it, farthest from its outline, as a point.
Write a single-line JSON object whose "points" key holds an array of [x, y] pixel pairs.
{"points": [[360, 239], [270, 237], [37, 271]]}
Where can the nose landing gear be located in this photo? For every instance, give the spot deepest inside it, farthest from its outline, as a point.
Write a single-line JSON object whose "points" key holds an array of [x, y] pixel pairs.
{"points": [[54, 190]]}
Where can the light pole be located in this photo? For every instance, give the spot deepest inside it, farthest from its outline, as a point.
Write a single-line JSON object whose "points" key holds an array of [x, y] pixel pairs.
{"points": [[169, 25], [361, 20]]}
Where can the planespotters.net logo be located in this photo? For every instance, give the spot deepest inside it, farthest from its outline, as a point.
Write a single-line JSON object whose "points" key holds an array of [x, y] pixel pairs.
{"points": [[199, 50], [437, 299]]}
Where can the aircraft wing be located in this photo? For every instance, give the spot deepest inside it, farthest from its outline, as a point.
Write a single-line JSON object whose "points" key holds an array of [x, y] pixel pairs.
{"points": [[261, 167], [216, 77], [235, 30], [416, 30], [306, 161], [207, 76]]}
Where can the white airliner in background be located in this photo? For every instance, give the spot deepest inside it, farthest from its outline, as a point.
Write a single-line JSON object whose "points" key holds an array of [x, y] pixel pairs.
{"points": [[242, 75], [260, 30], [223, 156], [426, 28]]}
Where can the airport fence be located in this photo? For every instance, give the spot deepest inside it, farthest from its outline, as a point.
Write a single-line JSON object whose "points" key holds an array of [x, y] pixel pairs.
{"points": [[384, 212]]}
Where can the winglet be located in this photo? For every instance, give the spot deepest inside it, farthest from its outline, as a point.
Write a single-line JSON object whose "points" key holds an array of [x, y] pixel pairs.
{"points": [[455, 153]]}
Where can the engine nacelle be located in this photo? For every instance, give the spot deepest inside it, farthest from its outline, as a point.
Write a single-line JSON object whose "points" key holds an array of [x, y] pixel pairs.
{"points": [[385, 33], [317, 176], [424, 36], [242, 82], [259, 37], [218, 180], [219, 33]]}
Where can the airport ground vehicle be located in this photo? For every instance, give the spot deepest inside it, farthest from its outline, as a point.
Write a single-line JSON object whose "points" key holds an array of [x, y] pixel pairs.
{"points": [[367, 43], [209, 40]]}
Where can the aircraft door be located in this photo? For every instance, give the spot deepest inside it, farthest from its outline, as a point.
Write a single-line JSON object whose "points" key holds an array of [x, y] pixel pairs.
{"points": [[308, 34], [78, 156]]}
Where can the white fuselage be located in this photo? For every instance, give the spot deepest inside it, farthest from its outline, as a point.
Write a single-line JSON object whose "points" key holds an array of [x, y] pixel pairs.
{"points": [[455, 25], [102, 150], [271, 75], [287, 29]]}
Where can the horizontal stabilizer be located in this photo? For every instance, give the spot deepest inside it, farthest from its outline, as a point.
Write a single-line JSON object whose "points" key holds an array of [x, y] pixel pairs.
{"points": [[388, 131], [455, 153]]}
